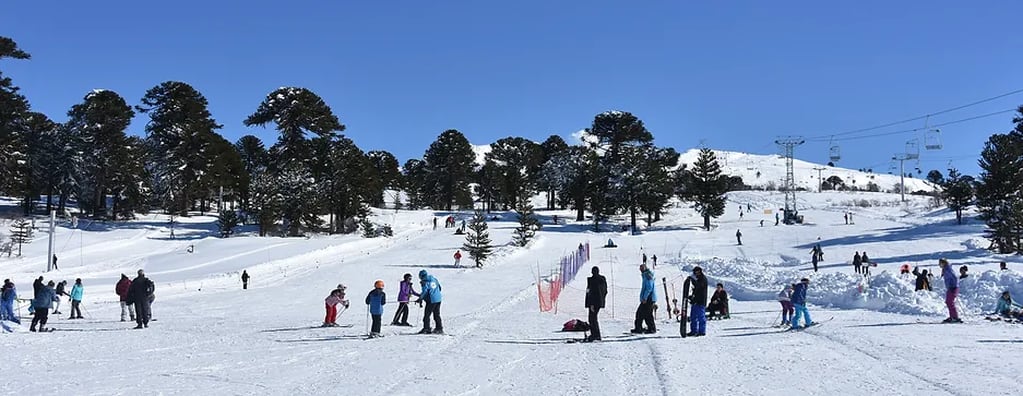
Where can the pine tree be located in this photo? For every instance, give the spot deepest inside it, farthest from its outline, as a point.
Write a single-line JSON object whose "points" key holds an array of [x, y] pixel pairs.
{"points": [[957, 193], [296, 112], [528, 224], [413, 177], [619, 138], [449, 167], [656, 182], [705, 186], [130, 180], [517, 160], [99, 122], [477, 239], [38, 156], [386, 175], [265, 200], [227, 221], [254, 159], [350, 184], [572, 172], [21, 233], [179, 135], [547, 179], [13, 110], [935, 176], [998, 190]]}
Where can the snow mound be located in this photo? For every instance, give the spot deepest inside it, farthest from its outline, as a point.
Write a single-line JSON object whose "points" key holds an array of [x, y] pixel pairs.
{"points": [[885, 291]]}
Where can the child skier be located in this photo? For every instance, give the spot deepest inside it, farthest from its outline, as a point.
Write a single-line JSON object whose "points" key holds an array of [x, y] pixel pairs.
{"points": [[799, 303], [76, 299], [458, 258], [951, 291], [405, 291], [337, 296], [785, 298], [376, 300]]}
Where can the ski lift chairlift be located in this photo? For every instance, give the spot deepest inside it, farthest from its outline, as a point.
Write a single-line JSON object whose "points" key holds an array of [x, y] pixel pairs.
{"points": [[835, 152], [932, 139], [912, 150]]}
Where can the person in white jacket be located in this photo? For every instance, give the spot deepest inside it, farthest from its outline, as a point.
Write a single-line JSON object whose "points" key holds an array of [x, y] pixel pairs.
{"points": [[787, 310]]}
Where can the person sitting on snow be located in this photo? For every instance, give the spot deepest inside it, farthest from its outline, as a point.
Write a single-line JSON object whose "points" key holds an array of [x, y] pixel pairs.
{"points": [[1005, 306], [718, 303]]}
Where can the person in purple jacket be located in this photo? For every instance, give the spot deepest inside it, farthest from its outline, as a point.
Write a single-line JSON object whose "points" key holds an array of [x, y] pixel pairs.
{"points": [[404, 293], [951, 291]]}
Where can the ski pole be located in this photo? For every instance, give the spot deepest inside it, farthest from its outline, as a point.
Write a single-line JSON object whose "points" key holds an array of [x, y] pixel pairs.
{"points": [[367, 318]]}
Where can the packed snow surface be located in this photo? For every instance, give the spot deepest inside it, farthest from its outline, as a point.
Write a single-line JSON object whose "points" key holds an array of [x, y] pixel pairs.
{"points": [[878, 336]]}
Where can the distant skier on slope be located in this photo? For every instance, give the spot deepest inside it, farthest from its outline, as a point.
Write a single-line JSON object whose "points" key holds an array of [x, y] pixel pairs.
{"points": [[430, 292], [122, 293], [865, 261], [245, 279], [738, 237], [458, 258], [647, 298], [76, 299], [42, 303], [405, 292], [376, 300], [816, 255], [951, 291], [60, 290], [698, 304], [141, 293], [7, 298], [785, 298], [799, 303], [857, 262]]}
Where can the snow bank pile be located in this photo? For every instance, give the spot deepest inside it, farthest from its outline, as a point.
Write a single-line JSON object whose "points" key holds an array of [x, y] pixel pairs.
{"points": [[747, 279]]}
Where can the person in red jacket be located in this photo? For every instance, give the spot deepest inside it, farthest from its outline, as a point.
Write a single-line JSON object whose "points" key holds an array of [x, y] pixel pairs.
{"points": [[122, 291], [458, 257]]}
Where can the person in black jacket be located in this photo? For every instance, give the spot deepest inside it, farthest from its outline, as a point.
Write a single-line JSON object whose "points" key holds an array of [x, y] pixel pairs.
{"points": [[139, 293], [923, 281], [596, 292], [698, 304]]}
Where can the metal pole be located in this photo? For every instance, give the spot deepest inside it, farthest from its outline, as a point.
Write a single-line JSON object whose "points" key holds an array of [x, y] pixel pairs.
{"points": [[902, 179], [49, 251], [820, 182]]}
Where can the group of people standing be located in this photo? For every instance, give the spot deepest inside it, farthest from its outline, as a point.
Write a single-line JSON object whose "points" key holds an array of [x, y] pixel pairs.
{"points": [[430, 294]]}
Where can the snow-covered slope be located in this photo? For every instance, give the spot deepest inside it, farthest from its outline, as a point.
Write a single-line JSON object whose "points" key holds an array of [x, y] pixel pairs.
{"points": [[211, 337], [762, 171]]}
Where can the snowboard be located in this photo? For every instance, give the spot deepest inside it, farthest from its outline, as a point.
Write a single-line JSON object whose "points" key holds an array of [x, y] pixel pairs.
{"points": [[685, 305], [667, 304]]}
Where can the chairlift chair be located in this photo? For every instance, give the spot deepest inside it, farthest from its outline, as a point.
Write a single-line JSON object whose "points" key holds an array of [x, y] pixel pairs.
{"points": [[912, 150], [835, 153], [932, 139]]}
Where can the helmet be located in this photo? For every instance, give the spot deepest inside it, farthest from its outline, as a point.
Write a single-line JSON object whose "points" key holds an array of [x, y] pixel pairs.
{"points": [[379, 284], [422, 274]]}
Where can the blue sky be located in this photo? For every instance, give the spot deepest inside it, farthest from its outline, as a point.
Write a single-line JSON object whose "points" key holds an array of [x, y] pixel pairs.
{"points": [[730, 75]]}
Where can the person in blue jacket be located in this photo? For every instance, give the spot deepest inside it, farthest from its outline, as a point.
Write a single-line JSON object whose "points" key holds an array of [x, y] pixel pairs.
{"points": [[7, 298], [430, 292], [376, 300], [42, 302], [799, 303], [647, 298], [951, 291], [76, 299]]}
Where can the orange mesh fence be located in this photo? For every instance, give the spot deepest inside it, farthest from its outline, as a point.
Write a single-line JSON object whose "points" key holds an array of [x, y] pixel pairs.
{"points": [[549, 289]]}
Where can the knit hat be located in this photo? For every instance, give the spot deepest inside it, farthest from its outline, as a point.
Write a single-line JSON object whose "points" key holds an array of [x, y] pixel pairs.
{"points": [[379, 284]]}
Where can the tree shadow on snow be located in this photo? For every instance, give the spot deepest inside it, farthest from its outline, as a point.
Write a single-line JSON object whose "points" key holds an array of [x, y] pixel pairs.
{"points": [[434, 266], [1001, 341], [909, 233], [545, 341]]}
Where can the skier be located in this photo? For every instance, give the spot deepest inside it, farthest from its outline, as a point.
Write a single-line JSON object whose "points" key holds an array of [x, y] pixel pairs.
{"points": [[740, 213], [776, 218], [55, 267], [644, 258], [122, 293], [962, 272], [654, 259], [785, 298], [857, 262], [245, 279], [748, 207], [904, 269], [1002, 266], [458, 258], [951, 291], [851, 219], [431, 292], [698, 304], [435, 222], [923, 281], [596, 292], [76, 299], [846, 217], [7, 298], [140, 293], [647, 298], [60, 292], [718, 303], [42, 302], [337, 296], [376, 300], [865, 261], [738, 237], [799, 303], [761, 222], [405, 291]]}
